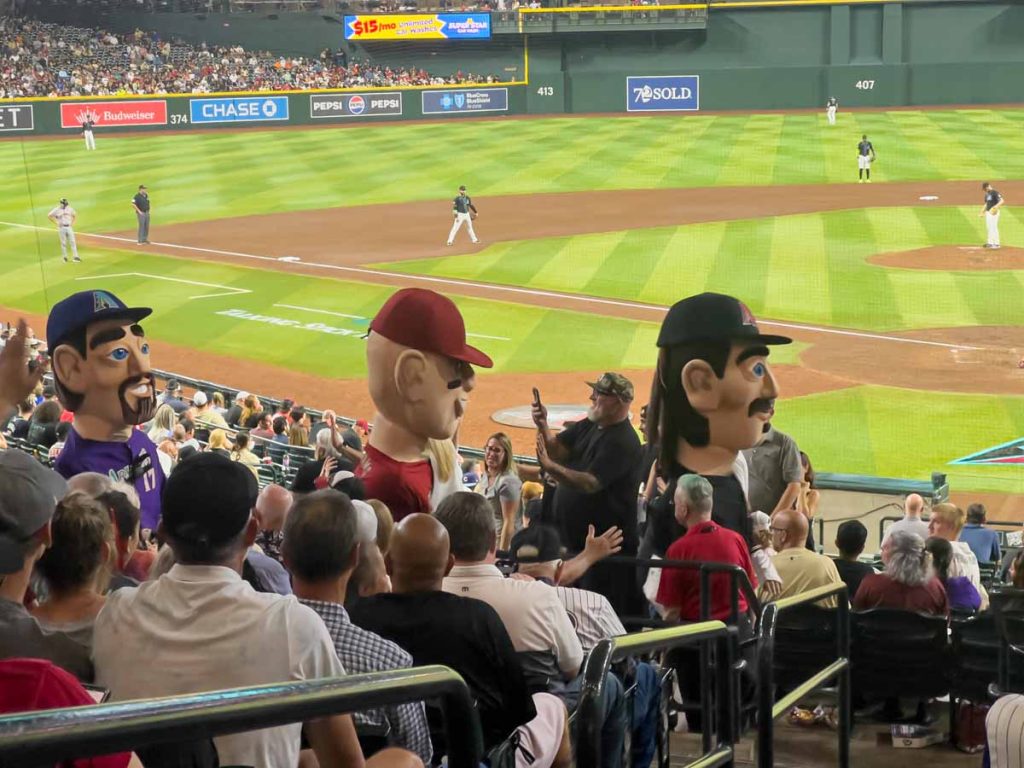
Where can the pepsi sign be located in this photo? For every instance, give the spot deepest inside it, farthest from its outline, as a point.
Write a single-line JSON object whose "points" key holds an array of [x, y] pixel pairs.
{"points": [[674, 93], [355, 105]]}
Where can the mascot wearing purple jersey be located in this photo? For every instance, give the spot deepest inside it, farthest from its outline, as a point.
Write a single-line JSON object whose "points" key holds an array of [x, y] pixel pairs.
{"points": [[101, 371]]}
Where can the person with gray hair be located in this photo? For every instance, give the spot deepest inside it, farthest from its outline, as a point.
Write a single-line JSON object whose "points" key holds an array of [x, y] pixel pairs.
{"points": [[909, 582]]}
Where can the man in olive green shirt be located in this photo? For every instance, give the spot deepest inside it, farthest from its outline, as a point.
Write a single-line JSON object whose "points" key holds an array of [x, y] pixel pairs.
{"points": [[801, 569]]}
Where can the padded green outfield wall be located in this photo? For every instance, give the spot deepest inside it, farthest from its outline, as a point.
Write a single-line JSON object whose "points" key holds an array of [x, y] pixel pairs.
{"points": [[893, 54]]}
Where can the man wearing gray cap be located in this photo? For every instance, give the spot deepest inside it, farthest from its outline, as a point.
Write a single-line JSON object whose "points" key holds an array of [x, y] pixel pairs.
{"points": [[596, 464], [29, 493]]}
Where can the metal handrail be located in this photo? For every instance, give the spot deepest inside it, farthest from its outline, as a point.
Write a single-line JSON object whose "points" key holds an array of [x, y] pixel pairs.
{"points": [[588, 745], [1015, 524], [737, 577], [37, 738], [768, 709]]}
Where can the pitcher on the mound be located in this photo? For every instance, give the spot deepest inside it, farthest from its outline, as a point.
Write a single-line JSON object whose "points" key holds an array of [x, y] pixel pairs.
{"points": [[465, 212]]}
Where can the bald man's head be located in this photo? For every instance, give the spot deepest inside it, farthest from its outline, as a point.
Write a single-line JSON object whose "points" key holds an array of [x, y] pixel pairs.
{"points": [[420, 555], [272, 507], [789, 530], [92, 484], [914, 505]]}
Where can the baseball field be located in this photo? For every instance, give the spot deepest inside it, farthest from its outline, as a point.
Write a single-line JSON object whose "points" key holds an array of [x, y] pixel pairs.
{"points": [[271, 249]]}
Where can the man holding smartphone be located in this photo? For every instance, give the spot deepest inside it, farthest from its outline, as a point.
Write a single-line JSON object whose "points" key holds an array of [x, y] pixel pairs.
{"points": [[596, 465]]}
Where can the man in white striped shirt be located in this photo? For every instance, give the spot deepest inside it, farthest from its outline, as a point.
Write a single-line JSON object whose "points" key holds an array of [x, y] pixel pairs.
{"points": [[64, 217], [537, 551]]}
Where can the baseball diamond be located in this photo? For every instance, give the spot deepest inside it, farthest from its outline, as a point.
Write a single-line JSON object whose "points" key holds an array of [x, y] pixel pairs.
{"points": [[900, 318]]}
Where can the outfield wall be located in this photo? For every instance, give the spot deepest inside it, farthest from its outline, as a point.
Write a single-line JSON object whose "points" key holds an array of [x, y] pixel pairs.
{"points": [[870, 55]]}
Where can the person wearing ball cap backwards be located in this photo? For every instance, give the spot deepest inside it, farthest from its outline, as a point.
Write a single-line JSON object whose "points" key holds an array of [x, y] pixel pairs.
{"points": [[713, 396], [101, 371], [419, 370]]}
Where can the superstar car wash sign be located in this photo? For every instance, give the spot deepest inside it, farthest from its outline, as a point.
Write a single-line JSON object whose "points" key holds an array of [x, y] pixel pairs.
{"points": [[108, 114], [323, 105], [462, 101], [419, 26], [241, 110], [675, 93]]}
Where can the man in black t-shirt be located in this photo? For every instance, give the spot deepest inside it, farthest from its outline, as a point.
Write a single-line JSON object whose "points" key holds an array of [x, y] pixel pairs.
{"points": [[140, 204], [596, 464], [850, 540], [439, 628]]}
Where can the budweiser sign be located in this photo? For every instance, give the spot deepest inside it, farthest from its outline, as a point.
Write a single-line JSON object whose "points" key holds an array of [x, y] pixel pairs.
{"points": [[113, 113]]}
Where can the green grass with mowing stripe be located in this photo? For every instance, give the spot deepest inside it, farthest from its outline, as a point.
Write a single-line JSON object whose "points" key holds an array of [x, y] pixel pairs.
{"points": [[808, 268]]}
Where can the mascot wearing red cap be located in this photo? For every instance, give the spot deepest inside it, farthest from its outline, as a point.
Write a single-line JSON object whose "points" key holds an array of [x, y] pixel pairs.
{"points": [[101, 372], [420, 373]]}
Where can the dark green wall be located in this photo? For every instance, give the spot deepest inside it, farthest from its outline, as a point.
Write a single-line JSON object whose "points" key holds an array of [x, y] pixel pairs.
{"points": [[917, 53]]}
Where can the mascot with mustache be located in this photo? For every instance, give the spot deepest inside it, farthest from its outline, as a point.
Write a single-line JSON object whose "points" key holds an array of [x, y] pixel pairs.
{"points": [[100, 360], [419, 370], [713, 396]]}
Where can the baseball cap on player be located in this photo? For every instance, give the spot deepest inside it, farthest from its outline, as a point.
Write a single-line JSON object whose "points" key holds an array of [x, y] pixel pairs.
{"points": [[428, 321], [79, 309], [63, 201], [712, 317], [462, 188]]}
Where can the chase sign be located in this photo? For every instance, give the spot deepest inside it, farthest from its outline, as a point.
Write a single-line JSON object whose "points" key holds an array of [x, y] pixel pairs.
{"points": [[672, 93], [238, 110]]}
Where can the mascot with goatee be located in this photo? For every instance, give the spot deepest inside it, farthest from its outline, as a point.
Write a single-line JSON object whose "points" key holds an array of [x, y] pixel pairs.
{"points": [[100, 361]]}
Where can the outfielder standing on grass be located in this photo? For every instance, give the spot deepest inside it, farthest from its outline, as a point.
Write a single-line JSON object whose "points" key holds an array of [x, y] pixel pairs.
{"points": [[865, 157], [64, 217], [465, 212], [830, 109], [87, 126], [993, 202]]}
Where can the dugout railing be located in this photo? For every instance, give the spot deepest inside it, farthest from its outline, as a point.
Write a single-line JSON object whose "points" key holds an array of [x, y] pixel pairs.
{"points": [[54, 736], [718, 639], [768, 709]]}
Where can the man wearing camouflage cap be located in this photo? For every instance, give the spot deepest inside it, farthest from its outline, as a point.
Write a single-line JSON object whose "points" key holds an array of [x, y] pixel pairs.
{"points": [[596, 463]]}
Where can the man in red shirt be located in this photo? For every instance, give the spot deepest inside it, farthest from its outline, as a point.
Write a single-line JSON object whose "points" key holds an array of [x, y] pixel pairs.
{"points": [[703, 541], [679, 590]]}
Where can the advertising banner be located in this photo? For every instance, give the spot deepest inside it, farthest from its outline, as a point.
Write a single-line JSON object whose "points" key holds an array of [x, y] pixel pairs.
{"points": [[16, 117], [419, 26], [238, 110], [107, 114], [355, 105], [675, 93], [462, 101]]}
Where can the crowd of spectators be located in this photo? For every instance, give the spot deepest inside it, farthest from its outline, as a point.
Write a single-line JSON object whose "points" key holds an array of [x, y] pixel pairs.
{"points": [[270, 563], [42, 59]]}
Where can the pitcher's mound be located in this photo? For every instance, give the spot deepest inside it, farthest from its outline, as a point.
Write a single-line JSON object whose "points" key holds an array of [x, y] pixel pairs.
{"points": [[953, 257]]}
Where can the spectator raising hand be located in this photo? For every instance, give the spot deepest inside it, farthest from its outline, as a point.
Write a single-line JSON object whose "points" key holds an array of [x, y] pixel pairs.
{"points": [[19, 374]]}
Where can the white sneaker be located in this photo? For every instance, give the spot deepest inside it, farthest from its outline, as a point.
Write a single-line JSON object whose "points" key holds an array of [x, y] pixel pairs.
{"points": [[448, 243], [475, 242]]}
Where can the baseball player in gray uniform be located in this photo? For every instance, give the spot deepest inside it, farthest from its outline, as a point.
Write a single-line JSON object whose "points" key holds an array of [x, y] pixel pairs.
{"points": [[830, 109], [465, 212], [64, 217]]}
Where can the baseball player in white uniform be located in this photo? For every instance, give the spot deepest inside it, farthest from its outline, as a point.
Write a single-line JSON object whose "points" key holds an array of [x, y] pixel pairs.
{"points": [[64, 217], [465, 212], [87, 126], [993, 202], [830, 109]]}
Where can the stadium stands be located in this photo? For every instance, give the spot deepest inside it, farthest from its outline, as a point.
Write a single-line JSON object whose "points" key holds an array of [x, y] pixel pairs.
{"points": [[43, 59]]}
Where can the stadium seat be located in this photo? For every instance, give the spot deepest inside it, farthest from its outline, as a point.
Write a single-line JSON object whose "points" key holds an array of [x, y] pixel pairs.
{"points": [[805, 643], [975, 656], [899, 654]]}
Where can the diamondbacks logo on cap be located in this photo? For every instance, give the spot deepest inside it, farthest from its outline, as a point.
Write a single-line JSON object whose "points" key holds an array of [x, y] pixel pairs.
{"points": [[102, 300], [746, 316]]}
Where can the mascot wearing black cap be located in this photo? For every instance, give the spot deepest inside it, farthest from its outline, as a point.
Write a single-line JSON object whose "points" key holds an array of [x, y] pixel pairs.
{"points": [[713, 396], [101, 372]]}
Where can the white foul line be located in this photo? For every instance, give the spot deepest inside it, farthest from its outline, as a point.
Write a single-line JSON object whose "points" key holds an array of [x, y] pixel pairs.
{"points": [[228, 289], [360, 317], [514, 290]]}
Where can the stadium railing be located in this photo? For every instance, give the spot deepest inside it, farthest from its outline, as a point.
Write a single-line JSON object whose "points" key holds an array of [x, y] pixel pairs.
{"points": [[48, 737], [718, 746], [888, 520], [768, 709]]}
